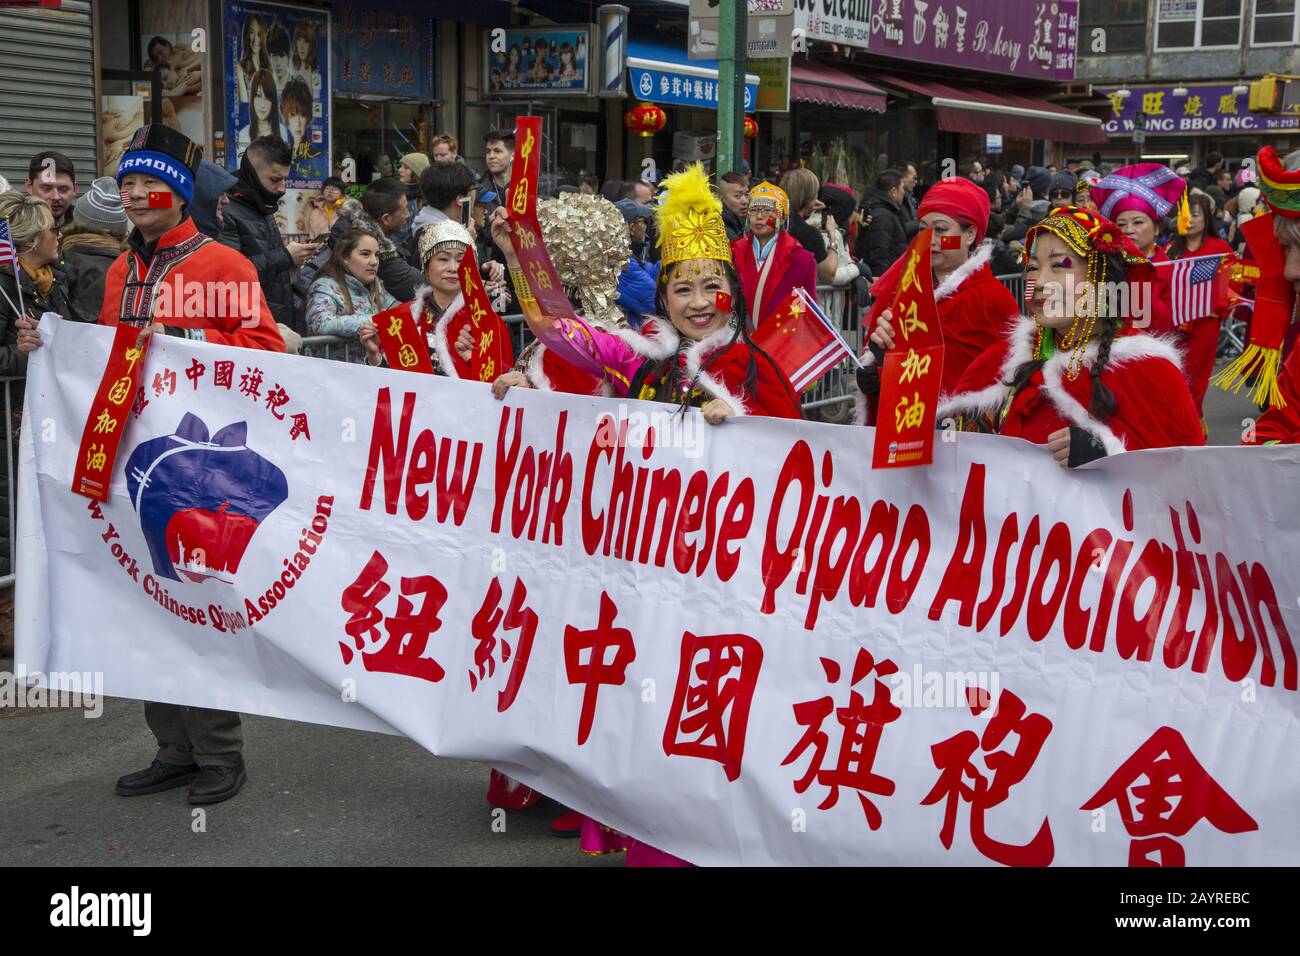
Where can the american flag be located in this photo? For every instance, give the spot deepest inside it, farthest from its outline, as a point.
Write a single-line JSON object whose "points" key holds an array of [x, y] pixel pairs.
{"points": [[6, 244], [1191, 286]]}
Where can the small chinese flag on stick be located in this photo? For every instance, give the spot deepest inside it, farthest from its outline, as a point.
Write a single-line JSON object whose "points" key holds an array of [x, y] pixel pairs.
{"points": [[802, 341], [909, 382]]}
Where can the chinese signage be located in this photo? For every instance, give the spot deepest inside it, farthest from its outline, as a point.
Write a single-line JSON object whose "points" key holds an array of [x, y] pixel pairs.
{"points": [[1206, 109], [835, 21], [382, 49], [773, 84], [629, 609], [278, 84], [682, 85], [1025, 38], [538, 60]]}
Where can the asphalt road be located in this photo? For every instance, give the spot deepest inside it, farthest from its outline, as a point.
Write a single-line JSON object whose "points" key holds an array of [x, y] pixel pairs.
{"points": [[316, 795]]}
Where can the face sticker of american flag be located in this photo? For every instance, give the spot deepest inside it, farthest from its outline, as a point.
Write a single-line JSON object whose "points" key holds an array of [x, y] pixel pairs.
{"points": [[126, 199]]}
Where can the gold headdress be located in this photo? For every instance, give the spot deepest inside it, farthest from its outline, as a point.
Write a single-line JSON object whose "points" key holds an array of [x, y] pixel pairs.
{"points": [[436, 235], [690, 219], [766, 192]]}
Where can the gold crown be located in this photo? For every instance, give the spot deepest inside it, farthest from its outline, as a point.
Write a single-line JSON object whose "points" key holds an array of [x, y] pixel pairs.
{"points": [[690, 219], [766, 192]]}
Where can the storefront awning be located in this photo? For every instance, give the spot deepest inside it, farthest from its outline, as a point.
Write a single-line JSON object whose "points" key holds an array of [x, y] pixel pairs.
{"points": [[813, 82], [981, 110], [664, 74]]}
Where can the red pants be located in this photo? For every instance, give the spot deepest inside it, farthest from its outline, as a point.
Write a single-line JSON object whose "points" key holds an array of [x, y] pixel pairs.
{"points": [[1200, 343]]}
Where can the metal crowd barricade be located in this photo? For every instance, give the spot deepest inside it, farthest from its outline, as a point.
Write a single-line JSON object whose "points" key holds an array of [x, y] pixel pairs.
{"points": [[834, 389], [13, 389]]}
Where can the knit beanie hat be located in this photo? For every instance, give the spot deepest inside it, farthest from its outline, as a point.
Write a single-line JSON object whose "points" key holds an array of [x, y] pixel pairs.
{"points": [[417, 163], [165, 154], [100, 209]]}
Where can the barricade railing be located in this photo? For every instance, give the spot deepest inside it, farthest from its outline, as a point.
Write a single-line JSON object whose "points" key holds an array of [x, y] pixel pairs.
{"points": [[834, 388]]}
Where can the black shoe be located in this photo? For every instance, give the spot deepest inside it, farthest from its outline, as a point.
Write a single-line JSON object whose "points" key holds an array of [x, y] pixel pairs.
{"points": [[215, 784], [156, 778]]}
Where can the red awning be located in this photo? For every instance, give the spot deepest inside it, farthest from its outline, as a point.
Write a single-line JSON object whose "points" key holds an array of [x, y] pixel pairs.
{"points": [[974, 110], [813, 82]]}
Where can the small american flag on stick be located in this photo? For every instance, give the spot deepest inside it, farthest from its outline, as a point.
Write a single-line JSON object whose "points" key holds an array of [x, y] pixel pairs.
{"points": [[1191, 286], [6, 244]]}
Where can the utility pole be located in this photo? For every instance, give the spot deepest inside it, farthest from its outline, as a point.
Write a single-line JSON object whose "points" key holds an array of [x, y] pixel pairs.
{"points": [[733, 29]]}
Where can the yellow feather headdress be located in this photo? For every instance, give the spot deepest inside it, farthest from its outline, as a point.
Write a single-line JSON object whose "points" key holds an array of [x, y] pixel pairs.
{"points": [[690, 219]]}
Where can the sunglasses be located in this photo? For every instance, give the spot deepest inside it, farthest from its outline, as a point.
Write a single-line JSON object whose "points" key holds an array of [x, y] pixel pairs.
{"points": [[1059, 194]]}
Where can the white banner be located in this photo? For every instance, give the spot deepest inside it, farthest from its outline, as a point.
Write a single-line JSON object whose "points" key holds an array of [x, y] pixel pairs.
{"points": [[736, 643]]}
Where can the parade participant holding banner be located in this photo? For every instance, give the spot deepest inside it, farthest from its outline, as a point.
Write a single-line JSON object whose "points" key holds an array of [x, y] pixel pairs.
{"points": [[1076, 376], [174, 276], [975, 309], [437, 305], [698, 352], [1274, 242], [769, 260]]}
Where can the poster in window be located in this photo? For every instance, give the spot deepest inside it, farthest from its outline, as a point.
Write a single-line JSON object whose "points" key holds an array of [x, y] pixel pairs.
{"points": [[539, 60], [277, 83]]}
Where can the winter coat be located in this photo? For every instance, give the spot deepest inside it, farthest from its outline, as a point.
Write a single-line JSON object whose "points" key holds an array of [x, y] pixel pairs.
{"points": [[636, 289], [885, 239], [13, 362], [248, 226], [395, 271], [87, 258], [328, 312]]}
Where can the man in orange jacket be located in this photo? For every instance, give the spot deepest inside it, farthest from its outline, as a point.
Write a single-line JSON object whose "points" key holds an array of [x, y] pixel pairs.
{"points": [[174, 280]]}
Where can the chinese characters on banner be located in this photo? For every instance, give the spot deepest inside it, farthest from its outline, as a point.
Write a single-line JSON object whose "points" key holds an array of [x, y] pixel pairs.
{"points": [[525, 231], [383, 48], [493, 353], [403, 343], [937, 668], [909, 382], [119, 387]]}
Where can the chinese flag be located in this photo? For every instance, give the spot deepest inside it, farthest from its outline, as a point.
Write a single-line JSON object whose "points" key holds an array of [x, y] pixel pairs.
{"points": [[913, 371], [493, 354], [801, 341], [160, 200], [403, 343]]}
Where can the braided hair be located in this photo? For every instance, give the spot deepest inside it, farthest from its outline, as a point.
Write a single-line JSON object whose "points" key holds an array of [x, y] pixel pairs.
{"points": [[740, 332], [1109, 321]]}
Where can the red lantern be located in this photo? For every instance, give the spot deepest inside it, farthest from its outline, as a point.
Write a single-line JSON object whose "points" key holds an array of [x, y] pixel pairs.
{"points": [[751, 127], [646, 119]]}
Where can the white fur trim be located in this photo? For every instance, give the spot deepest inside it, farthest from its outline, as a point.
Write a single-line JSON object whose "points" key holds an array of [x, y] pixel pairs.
{"points": [[1068, 406], [859, 404], [967, 269], [440, 343], [658, 340], [991, 397], [535, 374], [697, 352]]}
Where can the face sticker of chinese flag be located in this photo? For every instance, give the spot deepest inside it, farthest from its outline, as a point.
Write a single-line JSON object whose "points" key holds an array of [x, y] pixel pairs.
{"points": [[109, 413], [909, 382], [160, 200], [400, 338], [493, 353]]}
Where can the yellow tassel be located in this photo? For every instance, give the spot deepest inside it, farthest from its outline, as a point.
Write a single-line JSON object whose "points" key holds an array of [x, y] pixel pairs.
{"points": [[1263, 365], [1184, 215]]}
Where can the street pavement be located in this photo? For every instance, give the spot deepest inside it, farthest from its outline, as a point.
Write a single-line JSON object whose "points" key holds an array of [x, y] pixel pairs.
{"points": [[316, 795]]}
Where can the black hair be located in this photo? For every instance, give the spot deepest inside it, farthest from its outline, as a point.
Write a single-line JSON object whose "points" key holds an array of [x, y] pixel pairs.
{"points": [[1178, 245], [62, 165], [889, 180], [442, 183], [506, 136], [296, 97], [1102, 405], [740, 332], [277, 41], [269, 150], [383, 197], [337, 183], [628, 191], [1213, 159]]}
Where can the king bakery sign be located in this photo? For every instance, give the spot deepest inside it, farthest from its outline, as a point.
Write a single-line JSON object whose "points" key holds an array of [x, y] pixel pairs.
{"points": [[201, 493]]}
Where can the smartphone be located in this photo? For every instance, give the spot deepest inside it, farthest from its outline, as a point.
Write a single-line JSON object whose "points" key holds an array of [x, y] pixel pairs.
{"points": [[466, 211]]}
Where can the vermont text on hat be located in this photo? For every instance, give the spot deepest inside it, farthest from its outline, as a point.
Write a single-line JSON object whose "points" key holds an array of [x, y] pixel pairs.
{"points": [[131, 162]]}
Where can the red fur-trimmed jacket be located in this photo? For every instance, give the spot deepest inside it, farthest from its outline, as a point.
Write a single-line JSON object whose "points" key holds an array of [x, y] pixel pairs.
{"points": [[1153, 406], [976, 311]]}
